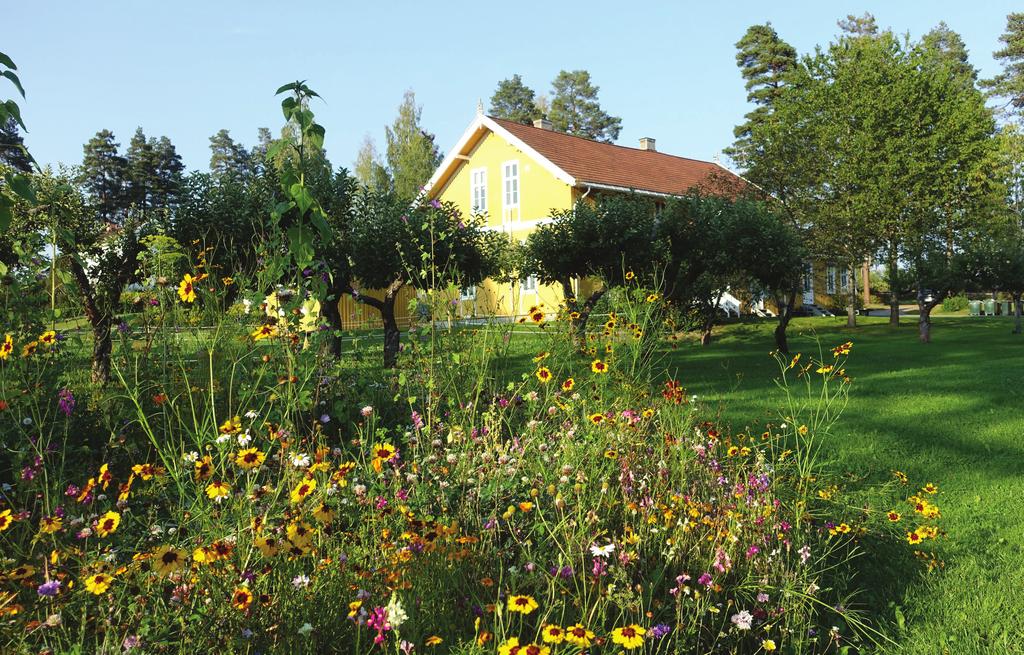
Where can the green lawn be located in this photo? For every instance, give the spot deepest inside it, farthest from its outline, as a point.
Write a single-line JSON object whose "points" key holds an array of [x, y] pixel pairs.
{"points": [[951, 412]]}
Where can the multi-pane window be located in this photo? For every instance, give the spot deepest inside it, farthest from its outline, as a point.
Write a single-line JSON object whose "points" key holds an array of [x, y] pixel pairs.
{"points": [[830, 280], [469, 293], [529, 284], [478, 186], [844, 280], [511, 183]]}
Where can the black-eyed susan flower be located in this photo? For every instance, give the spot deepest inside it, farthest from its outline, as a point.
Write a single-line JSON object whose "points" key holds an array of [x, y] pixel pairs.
{"points": [[552, 634], [98, 583], [203, 468], [930, 488], [50, 524], [241, 598], [232, 425], [7, 347], [568, 384], [510, 646], [323, 513], [913, 538], [522, 604], [29, 348], [629, 637], [543, 374], [434, 640], [218, 490], [107, 524], [48, 339], [382, 453], [167, 560], [6, 519], [541, 356], [147, 471], [578, 635], [303, 489], [265, 331], [22, 572], [249, 458], [599, 367], [893, 516], [652, 297], [267, 545], [186, 288]]}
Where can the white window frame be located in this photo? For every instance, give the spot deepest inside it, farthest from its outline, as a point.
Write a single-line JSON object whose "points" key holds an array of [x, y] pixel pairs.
{"points": [[468, 293], [478, 190], [844, 280], [511, 195], [830, 279], [528, 284]]}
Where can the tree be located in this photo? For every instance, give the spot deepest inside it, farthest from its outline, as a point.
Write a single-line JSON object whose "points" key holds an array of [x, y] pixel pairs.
{"points": [[576, 110], [368, 169], [715, 244], [603, 239], [515, 101], [16, 185], [863, 25], [12, 147], [104, 176], [412, 155], [1009, 84], [997, 263], [228, 159], [764, 60], [392, 245]]}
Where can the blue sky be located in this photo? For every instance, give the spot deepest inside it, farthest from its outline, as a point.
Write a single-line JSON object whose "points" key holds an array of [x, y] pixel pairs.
{"points": [[186, 69]]}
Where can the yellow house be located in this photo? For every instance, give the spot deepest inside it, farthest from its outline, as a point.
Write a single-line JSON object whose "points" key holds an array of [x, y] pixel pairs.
{"points": [[516, 174]]}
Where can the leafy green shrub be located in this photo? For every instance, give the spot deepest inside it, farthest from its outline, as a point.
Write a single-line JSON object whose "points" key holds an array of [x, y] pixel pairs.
{"points": [[956, 303]]}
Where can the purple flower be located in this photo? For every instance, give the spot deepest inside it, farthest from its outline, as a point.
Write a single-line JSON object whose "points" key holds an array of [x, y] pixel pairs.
{"points": [[705, 580], [660, 630], [50, 588], [435, 203], [66, 401], [325, 418]]}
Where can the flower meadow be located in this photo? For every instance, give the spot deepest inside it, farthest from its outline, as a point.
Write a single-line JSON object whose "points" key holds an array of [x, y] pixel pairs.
{"points": [[239, 488]]}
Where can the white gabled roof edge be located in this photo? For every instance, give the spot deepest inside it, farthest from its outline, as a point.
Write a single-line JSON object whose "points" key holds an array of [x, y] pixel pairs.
{"points": [[482, 120]]}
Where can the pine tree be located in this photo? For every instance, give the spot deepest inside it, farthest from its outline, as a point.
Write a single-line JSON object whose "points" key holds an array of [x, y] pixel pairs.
{"points": [[12, 147], [575, 108], [949, 48], [863, 25], [412, 155], [368, 168], [764, 60], [228, 158], [1010, 83], [515, 101], [104, 176]]}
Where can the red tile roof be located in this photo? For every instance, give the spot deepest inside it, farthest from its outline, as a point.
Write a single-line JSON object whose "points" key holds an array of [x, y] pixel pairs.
{"points": [[630, 168]]}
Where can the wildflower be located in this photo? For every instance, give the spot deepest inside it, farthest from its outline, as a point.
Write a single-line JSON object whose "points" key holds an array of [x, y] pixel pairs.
{"points": [[300, 460], [268, 546], [7, 347], [802, 430], [218, 490], [49, 589], [300, 581], [23, 572], [660, 630], [366, 411], [396, 613], [146, 471], [842, 349], [630, 275], [930, 488], [98, 583], [543, 374], [203, 468], [249, 458], [568, 384], [108, 523], [382, 452], [510, 647], [602, 551], [29, 348], [323, 513], [186, 288], [522, 604], [893, 516], [805, 553], [303, 489], [50, 524], [265, 331], [552, 634], [433, 640], [6, 519], [167, 560], [541, 356], [629, 637], [651, 297], [599, 367], [306, 629], [825, 369], [577, 635], [914, 538], [241, 598], [611, 454], [742, 620], [768, 645], [66, 401]]}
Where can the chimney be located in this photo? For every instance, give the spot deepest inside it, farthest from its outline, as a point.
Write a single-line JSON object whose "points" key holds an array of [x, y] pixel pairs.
{"points": [[543, 124], [647, 143]]}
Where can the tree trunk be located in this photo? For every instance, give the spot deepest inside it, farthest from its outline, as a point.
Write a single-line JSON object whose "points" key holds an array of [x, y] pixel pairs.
{"points": [[332, 312], [785, 314], [709, 321], [924, 322], [1017, 310], [102, 347], [584, 310], [392, 336], [894, 294], [851, 307], [866, 282]]}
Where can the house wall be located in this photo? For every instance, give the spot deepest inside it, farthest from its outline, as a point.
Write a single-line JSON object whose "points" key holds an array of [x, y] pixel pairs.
{"points": [[539, 193]]}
